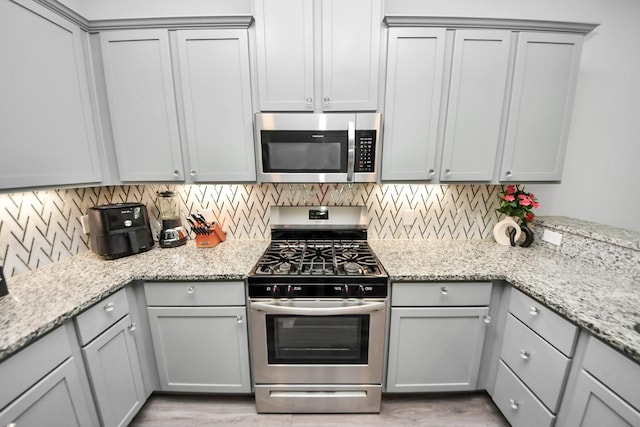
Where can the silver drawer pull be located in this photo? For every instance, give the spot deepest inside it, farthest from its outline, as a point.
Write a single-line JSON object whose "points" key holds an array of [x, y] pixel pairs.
{"points": [[487, 319], [191, 289], [524, 354], [534, 311], [133, 327], [239, 319], [444, 290], [110, 306], [514, 404]]}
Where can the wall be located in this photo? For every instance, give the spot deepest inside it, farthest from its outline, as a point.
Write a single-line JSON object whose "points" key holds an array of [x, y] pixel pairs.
{"points": [[42, 227], [600, 176]]}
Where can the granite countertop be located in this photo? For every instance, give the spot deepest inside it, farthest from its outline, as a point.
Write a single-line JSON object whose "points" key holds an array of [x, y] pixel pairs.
{"points": [[604, 302]]}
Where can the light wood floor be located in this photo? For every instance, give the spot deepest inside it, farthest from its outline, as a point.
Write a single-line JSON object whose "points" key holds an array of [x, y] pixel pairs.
{"points": [[459, 410]]}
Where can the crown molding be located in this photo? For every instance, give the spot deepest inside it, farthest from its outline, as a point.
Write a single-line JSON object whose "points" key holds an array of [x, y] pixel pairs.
{"points": [[508, 24]]}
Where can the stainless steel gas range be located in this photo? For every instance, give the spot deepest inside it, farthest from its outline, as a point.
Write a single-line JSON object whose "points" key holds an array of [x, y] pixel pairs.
{"points": [[318, 299]]}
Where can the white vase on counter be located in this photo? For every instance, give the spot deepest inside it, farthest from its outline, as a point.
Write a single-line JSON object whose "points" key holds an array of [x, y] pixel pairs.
{"points": [[502, 228]]}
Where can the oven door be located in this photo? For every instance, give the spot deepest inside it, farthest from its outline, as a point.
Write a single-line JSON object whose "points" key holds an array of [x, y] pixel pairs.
{"points": [[300, 341]]}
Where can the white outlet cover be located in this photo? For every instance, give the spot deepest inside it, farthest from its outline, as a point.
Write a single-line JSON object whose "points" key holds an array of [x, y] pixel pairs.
{"points": [[552, 237], [84, 220]]}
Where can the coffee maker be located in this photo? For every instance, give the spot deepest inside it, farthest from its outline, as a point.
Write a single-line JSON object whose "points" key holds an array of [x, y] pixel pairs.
{"points": [[173, 233]]}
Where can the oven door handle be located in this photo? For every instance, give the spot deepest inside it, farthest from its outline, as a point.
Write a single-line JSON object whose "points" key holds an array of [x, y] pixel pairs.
{"points": [[323, 311]]}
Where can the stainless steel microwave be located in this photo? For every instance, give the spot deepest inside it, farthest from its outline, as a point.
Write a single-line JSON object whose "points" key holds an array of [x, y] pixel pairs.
{"points": [[302, 147]]}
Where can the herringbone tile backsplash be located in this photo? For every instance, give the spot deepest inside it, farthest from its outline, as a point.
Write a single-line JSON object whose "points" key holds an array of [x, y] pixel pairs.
{"points": [[41, 227]]}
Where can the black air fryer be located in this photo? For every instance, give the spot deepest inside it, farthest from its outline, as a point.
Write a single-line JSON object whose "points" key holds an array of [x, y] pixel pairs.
{"points": [[120, 230]]}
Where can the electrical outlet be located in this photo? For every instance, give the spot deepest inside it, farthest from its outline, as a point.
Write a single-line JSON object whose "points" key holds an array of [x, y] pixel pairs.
{"points": [[408, 217], [84, 221], [552, 237]]}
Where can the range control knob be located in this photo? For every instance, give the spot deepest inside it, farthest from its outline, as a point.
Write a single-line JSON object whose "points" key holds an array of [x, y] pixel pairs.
{"points": [[361, 290], [345, 290], [274, 290], [289, 290]]}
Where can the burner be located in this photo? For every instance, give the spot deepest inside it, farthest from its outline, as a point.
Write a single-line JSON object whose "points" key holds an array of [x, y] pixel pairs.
{"points": [[353, 267]]}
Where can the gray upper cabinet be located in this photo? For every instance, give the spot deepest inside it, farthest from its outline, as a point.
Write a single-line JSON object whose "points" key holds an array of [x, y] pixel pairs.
{"points": [[476, 103], [137, 66], [341, 38], [415, 71], [46, 121], [216, 91], [544, 81]]}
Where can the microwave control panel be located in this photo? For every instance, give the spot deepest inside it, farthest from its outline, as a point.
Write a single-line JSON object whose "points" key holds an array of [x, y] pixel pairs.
{"points": [[365, 151]]}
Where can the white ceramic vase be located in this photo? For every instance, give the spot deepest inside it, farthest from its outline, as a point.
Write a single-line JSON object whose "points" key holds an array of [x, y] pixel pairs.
{"points": [[502, 228]]}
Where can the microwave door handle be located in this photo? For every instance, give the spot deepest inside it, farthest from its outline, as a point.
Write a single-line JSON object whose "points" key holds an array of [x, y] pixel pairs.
{"points": [[351, 154], [324, 311]]}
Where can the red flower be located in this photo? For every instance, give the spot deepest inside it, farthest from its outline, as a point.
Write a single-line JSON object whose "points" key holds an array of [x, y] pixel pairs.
{"points": [[508, 198], [510, 189], [529, 216], [524, 201]]}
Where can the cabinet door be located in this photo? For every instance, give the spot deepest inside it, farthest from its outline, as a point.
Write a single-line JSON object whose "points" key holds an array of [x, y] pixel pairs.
{"points": [[435, 349], [414, 84], [475, 107], [46, 124], [350, 54], [284, 36], [58, 400], [137, 66], [115, 374], [545, 75], [201, 349], [592, 404], [214, 72]]}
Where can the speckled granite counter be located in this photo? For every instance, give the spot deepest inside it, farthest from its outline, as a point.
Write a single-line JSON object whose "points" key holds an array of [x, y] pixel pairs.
{"points": [[43, 299], [604, 302]]}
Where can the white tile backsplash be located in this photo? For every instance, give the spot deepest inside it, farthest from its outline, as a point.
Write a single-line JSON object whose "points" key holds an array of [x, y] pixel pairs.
{"points": [[41, 227]]}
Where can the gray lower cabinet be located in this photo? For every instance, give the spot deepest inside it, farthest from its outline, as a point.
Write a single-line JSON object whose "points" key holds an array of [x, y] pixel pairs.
{"points": [[107, 335], [605, 392], [436, 344], [44, 384], [115, 374], [199, 334]]}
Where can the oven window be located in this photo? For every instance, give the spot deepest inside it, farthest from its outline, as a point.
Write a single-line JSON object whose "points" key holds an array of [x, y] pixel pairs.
{"points": [[318, 339]]}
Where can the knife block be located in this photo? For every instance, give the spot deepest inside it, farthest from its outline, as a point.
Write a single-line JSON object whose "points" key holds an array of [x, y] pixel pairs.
{"points": [[215, 236]]}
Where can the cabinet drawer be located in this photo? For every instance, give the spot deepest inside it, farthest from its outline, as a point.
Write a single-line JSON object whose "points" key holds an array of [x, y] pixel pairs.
{"points": [[194, 293], [28, 366], [619, 373], [99, 317], [559, 332], [516, 402], [538, 364], [426, 294]]}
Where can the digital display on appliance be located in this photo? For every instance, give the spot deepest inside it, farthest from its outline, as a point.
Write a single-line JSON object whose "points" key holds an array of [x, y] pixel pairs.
{"points": [[319, 214]]}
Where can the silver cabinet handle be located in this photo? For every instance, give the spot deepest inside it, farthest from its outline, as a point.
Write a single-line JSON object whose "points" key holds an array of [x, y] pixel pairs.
{"points": [[508, 174], [239, 319], [110, 306], [309, 100], [193, 173], [191, 289], [524, 354], [133, 326], [534, 311], [351, 153], [514, 404], [447, 172], [176, 173], [432, 172], [444, 290], [326, 99], [487, 319]]}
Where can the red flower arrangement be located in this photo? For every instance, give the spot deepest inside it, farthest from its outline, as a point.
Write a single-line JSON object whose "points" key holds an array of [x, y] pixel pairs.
{"points": [[516, 202]]}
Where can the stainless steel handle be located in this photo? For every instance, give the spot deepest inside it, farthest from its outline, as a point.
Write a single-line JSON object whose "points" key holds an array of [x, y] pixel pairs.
{"points": [[444, 290], [487, 319], [193, 173], [311, 311], [351, 136], [326, 99], [534, 311], [514, 404], [432, 172], [176, 173], [109, 307], [524, 354], [309, 100], [508, 174], [191, 289], [239, 319], [447, 172], [133, 326]]}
